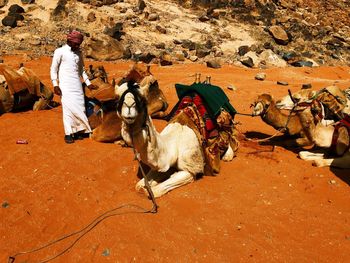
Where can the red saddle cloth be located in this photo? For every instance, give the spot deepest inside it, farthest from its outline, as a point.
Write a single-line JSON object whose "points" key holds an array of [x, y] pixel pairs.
{"points": [[210, 126]]}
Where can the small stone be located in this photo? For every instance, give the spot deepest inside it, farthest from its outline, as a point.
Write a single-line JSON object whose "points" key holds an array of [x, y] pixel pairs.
{"points": [[306, 86], [153, 17], [106, 252], [193, 58], [260, 76], [231, 87], [283, 83], [332, 181], [5, 204], [213, 64]]}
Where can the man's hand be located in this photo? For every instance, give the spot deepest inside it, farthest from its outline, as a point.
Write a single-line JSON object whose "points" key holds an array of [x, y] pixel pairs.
{"points": [[92, 87], [57, 90]]}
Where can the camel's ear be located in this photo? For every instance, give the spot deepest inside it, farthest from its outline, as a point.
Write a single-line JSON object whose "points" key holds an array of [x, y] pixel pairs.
{"points": [[119, 90], [312, 94]]}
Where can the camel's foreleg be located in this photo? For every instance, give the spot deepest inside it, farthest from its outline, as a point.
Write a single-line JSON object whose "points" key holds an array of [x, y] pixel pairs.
{"points": [[340, 162], [310, 156], [176, 180], [229, 154]]}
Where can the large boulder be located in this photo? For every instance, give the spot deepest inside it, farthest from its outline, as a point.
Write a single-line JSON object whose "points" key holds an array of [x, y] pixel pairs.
{"points": [[9, 21], [103, 47], [279, 34], [271, 59]]}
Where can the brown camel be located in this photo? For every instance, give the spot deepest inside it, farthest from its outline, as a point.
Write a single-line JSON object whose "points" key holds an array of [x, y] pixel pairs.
{"points": [[334, 139], [109, 128], [265, 107], [22, 89]]}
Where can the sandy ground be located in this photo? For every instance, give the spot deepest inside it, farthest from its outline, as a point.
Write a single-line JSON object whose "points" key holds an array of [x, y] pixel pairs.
{"points": [[265, 206]]}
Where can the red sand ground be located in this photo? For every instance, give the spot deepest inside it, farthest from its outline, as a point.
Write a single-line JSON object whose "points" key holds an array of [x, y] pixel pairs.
{"points": [[265, 206]]}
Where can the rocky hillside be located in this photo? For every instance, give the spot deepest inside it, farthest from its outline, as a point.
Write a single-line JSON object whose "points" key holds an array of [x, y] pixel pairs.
{"points": [[253, 33]]}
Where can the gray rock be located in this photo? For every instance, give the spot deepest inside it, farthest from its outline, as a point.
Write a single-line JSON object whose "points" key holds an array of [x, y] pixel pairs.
{"points": [[242, 50], [9, 21], [247, 61], [16, 9], [141, 5]]}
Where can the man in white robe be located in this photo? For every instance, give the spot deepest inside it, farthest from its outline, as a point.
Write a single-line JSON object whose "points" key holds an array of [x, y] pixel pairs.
{"points": [[66, 71]]}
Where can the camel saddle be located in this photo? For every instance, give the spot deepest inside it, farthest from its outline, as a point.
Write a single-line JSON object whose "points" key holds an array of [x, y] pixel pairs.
{"points": [[213, 97], [214, 125], [334, 100], [15, 81]]}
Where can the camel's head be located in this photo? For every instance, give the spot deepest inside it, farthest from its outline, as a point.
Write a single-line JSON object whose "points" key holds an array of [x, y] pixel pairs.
{"points": [[132, 106], [261, 104], [303, 95], [149, 88], [136, 73]]}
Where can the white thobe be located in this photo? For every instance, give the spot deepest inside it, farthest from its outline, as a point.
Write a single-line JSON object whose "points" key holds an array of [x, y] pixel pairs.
{"points": [[66, 71]]}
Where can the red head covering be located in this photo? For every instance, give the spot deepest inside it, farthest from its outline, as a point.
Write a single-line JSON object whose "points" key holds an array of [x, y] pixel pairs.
{"points": [[75, 37]]}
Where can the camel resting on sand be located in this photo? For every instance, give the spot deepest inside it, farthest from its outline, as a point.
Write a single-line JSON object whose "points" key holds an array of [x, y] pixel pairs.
{"points": [[335, 101], [175, 156], [105, 122], [334, 139], [265, 107], [22, 89]]}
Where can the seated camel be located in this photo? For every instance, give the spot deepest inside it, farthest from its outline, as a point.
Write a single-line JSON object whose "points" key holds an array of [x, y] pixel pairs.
{"points": [[288, 123], [104, 121], [334, 139], [336, 102], [22, 89], [174, 156]]}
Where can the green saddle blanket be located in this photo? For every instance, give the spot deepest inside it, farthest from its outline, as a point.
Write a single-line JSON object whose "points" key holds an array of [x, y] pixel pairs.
{"points": [[214, 97]]}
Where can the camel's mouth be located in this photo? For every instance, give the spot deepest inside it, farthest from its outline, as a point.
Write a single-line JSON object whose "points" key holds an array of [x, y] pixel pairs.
{"points": [[129, 120]]}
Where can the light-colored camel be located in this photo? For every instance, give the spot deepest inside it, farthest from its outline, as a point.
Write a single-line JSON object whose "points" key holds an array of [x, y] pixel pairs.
{"points": [[106, 126], [176, 153], [322, 136], [265, 107]]}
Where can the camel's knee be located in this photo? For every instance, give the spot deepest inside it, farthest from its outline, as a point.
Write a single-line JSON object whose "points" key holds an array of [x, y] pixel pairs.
{"points": [[142, 186], [303, 141], [309, 156]]}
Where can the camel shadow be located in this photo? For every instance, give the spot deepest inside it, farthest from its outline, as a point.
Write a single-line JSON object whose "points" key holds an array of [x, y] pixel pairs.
{"points": [[284, 141], [342, 174]]}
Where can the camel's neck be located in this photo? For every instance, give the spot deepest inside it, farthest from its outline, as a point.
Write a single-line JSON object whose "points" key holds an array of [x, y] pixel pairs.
{"points": [[317, 133], [275, 117], [148, 143]]}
